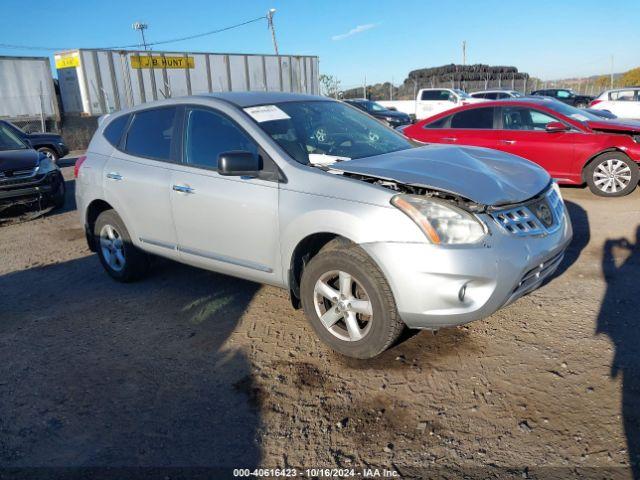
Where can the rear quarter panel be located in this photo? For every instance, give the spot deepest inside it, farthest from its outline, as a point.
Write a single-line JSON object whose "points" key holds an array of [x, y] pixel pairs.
{"points": [[89, 184]]}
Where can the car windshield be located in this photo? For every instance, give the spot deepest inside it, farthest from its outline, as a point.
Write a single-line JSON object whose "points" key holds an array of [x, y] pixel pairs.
{"points": [[325, 131], [578, 114], [375, 107], [461, 93], [9, 140]]}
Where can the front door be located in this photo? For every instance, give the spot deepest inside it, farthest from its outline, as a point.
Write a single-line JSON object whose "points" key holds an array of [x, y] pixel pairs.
{"points": [[523, 132], [229, 224]]}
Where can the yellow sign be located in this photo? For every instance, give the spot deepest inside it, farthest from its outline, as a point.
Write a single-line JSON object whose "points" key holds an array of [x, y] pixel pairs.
{"points": [[157, 61], [67, 61]]}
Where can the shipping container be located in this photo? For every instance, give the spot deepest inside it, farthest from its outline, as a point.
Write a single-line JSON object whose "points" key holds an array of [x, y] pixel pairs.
{"points": [[26, 89], [95, 82]]}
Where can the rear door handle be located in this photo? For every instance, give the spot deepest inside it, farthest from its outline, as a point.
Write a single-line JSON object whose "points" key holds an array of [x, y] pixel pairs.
{"points": [[114, 176], [450, 139], [507, 142], [183, 189]]}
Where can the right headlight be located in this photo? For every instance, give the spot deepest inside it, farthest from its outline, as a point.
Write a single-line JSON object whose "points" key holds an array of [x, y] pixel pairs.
{"points": [[441, 222]]}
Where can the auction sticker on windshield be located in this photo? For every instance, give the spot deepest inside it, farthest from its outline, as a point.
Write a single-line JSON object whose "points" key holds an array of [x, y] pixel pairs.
{"points": [[266, 113]]}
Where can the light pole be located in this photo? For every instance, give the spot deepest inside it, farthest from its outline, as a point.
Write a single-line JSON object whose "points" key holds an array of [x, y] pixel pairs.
{"points": [[141, 27], [272, 28]]}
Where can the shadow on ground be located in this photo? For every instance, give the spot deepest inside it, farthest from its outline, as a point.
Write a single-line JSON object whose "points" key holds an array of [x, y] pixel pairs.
{"points": [[97, 373], [619, 320]]}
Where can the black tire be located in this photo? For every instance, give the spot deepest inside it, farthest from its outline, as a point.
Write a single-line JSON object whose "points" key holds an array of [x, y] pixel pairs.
{"points": [[581, 105], [49, 152], [58, 197], [385, 325], [599, 167], [136, 262]]}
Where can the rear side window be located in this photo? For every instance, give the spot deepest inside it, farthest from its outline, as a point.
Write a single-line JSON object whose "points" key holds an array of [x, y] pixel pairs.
{"points": [[113, 132], [474, 118], [150, 133], [439, 95], [441, 123]]}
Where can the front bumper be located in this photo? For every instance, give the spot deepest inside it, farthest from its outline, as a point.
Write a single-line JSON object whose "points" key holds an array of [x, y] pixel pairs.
{"points": [[35, 190], [436, 286]]}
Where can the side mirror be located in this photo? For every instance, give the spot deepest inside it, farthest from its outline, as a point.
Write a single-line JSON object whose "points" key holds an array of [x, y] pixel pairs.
{"points": [[553, 127], [239, 164], [392, 109]]}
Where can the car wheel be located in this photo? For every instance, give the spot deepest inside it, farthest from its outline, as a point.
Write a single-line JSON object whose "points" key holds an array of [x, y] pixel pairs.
{"points": [[50, 153], [581, 105], [612, 174], [348, 301], [119, 257], [59, 196]]}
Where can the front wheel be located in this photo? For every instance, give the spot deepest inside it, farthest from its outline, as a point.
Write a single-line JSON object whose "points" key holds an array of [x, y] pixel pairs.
{"points": [[50, 153], [348, 301], [119, 257], [612, 174]]}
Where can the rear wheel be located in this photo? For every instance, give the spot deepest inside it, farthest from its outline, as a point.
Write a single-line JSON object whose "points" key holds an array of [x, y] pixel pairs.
{"points": [[348, 302], [119, 257], [612, 174]]}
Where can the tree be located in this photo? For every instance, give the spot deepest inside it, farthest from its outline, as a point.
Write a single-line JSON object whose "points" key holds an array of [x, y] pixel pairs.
{"points": [[329, 86], [631, 78]]}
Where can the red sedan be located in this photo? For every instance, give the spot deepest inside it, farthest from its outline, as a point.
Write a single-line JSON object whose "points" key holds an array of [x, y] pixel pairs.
{"points": [[573, 145]]}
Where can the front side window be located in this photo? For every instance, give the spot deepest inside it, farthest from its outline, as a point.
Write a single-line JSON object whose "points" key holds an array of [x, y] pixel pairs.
{"points": [[307, 130], [477, 118], [435, 95], [150, 133], [208, 134], [9, 140], [623, 96], [522, 118]]}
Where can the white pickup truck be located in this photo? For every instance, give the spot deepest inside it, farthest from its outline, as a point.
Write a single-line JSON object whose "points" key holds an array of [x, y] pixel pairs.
{"points": [[431, 101]]}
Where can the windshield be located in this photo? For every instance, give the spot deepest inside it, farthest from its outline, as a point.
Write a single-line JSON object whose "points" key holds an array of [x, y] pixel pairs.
{"points": [[375, 107], [578, 114], [9, 140], [311, 131], [461, 93]]}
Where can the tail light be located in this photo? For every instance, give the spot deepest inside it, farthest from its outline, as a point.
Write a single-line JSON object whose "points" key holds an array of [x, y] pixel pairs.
{"points": [[76, 168], [594, 102]]}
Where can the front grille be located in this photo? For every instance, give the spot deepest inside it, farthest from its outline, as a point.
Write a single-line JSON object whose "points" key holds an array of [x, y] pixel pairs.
{"points": [[539, 216]]}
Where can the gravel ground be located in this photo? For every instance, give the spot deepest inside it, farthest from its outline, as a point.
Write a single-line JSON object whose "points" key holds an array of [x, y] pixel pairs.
{"points": [[193, 369]]}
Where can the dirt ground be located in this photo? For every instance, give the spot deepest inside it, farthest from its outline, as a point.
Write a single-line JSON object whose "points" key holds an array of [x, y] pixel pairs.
{"points": [[194, 369]]}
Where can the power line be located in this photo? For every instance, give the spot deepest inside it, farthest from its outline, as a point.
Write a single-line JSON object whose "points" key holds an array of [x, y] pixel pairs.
{"points": [[121, 47]]}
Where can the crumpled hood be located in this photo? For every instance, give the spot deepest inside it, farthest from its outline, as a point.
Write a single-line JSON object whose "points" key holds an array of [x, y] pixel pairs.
{"points": [[615, 126], [18, 159], [485, 176]]}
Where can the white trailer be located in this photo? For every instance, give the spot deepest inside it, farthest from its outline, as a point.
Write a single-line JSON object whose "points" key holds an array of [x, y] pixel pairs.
{"points": [[96, 82], [27, 92]]}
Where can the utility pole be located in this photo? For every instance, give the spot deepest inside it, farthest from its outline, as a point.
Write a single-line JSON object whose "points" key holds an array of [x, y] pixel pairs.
{"points": [[364, 87], [464, 52], [611, 86], [272, 28], [141, 27], [391, 89]]}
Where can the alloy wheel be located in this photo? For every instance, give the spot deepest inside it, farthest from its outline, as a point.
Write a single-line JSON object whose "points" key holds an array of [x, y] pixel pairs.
{"points": [[612, 175], [343, 305], [112, 247]]}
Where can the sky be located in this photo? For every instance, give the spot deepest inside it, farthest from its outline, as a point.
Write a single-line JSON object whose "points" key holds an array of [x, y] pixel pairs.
{"points": [[381, 41]]}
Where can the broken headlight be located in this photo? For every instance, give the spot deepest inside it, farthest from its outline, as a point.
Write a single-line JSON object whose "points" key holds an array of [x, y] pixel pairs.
{"points": [[441, 222]]}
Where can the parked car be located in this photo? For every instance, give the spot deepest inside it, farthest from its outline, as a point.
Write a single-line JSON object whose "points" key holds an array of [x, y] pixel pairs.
{"points": [[51, 144], [573, 145], [386, 236], [27, 177], [431, 101], [607, 115], [496, 94], [393, 118], [622, 102], [565, 95]]}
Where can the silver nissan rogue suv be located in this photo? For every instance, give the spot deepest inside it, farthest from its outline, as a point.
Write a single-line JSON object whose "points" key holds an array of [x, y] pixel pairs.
{"points": [[369, 232]]}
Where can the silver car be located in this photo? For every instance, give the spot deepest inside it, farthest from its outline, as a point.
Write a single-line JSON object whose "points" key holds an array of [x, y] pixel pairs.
{"points": [[370, 233]]}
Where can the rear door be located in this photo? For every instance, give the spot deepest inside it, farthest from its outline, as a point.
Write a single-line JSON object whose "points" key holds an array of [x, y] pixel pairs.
{"points": [[474, 126], [522, 132], [228, 224], [625, 104], [137, 176]]}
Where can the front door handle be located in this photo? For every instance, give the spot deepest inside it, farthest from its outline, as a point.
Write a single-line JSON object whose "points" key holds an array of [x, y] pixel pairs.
{"points": [[114, 176], [507, 142], [183, 189], [450, 139]]}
